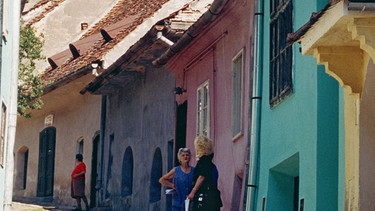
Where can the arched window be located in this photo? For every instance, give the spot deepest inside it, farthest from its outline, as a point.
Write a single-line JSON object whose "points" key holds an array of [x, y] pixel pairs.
{"points": [[22, 163], [127, 173], [156, 173], [79, 147]]}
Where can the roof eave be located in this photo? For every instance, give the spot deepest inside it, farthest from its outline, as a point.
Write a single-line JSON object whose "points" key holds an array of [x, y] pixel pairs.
{"points": [[193, 31], [332, 28], [114, 54], [126, 57], [65, 80], [116, 58], [131, 45]]}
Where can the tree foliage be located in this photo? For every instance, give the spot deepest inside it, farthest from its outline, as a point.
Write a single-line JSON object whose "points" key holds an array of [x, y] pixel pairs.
{"points": [[30, 87]]}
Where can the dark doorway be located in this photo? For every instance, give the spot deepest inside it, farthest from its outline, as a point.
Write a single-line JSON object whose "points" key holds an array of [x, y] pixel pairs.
{"points": [[156, 173], [94, 170], [170, 166], [180, 129], [46, 165]]}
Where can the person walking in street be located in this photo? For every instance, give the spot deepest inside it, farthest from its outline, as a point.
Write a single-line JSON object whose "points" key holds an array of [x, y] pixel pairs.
{"points": [[78, 182], [182, 177], [205, 194]]}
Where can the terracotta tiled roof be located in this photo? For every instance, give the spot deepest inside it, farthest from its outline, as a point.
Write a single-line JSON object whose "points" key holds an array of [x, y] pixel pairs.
{"points": [[49, 6], [123, 18], [140, 56], [37, 5]]}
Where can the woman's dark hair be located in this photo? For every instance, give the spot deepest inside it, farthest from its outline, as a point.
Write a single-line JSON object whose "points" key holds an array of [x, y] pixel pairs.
{"points": [[79, 157]]}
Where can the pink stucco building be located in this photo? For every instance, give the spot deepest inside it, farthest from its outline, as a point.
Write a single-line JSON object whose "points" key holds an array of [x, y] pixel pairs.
{"points": [[213, 71]]}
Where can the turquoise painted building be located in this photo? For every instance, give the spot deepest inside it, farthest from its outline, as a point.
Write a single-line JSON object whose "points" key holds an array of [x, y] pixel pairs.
{"points": [[297, 146], [10, 23]]}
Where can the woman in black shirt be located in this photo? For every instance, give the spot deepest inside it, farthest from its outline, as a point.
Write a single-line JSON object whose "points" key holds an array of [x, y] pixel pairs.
{"points": [[205, 194]]}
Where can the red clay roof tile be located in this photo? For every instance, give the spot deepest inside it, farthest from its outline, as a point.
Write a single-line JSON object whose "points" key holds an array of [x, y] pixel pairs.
{"points": [[123, 18]]}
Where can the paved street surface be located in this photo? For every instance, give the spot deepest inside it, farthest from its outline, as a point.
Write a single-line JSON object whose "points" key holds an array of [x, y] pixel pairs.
{"points": [[17, 206], [21, 206]]}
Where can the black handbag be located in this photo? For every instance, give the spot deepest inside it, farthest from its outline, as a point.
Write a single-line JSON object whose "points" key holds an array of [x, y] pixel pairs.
{"points": [[200, 201], [210, 198]]}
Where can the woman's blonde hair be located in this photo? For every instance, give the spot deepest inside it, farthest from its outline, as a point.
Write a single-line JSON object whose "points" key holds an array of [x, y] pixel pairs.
{"points": [[203, 145]]}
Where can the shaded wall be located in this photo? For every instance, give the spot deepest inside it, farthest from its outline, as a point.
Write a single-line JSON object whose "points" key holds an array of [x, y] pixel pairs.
{"points": [[140, 119], [367, 144]]}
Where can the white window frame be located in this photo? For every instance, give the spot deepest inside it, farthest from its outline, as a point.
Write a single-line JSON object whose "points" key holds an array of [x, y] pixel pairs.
{"points": [[203, 111], [237, 95]]}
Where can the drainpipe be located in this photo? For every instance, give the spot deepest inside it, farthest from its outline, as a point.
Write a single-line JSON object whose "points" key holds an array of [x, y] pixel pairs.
{"points": [[252, 180], [159, 35], [99, 182], [9, 160]]}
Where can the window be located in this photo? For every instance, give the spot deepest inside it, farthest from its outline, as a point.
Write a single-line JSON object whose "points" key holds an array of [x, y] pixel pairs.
{"points": [[280, 53], [5, 19], [109, 166], [127, 173], [80, 146], [203, 114], [156, 173], [237, 66], [22, 163], [3, 133]]}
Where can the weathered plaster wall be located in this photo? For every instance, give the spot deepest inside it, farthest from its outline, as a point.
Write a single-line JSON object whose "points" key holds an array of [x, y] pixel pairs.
{"points": [[142, 117], [76, 117]]}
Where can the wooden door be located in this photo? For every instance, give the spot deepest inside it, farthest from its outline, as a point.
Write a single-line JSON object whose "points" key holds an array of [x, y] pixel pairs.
{"points": [[94, 171], [46, 166]]}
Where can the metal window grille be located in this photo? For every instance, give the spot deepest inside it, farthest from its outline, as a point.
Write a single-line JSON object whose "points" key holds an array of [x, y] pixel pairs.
{"points": [[280, 53]]}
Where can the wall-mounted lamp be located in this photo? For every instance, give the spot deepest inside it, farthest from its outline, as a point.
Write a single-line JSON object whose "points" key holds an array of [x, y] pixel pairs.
{"points": [[84, 26], [94, 67], [160, 36], [159, 27], [178, 90]]}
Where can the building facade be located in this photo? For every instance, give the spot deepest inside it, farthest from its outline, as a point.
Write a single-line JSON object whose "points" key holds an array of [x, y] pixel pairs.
{"points": [[68, 123], [139, 134], [298, 146], [213, 71], [46, 145], [113, 58], [349, 58], [9, 50]]}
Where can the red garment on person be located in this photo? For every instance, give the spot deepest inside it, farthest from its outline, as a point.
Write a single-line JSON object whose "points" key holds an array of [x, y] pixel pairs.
{"points": [[78, 169]]}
